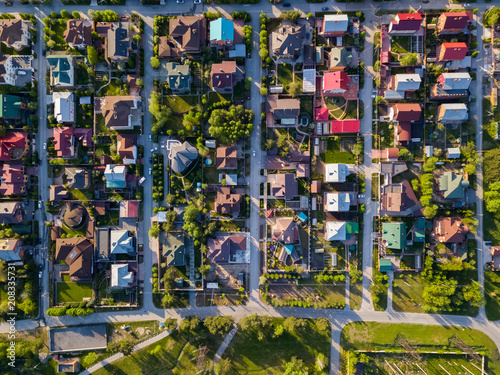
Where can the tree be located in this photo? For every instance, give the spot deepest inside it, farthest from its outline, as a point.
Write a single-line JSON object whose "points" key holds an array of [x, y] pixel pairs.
{"points": [[167, 300], [65, 14], [263, 91], [229, 126], [260, 325], [270, 143], [28, 306], [204, 269], [51, 44], [218, 325], [3, 271], [168, 278], [323, 324], [290, 15], [403, 153], [155, 62], [76, 14], [356, 275], [137, 39], [492, 198], [430, 211], [90, 359], [224, 367], [278, 331], [92, 55], [154, 231], [295, 367], [192, 119], [473, 294], [294, 89], [430, 164], [409, 59], [190, 323], [437, 297], [126, 346], [291, 324]]}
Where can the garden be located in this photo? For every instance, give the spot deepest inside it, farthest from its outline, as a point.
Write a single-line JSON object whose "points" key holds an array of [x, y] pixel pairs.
{"points": [[68, 291], [337, 151]]}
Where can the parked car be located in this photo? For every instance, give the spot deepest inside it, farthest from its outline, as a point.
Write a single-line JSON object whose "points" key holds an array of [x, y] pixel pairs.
{"points": [[253, 152], [286, 5], [44, 52], [150, 171], [180, 1], [150, 160], [45, 146], [150, 138], [197, 1], [40, 274], [324, 8]]}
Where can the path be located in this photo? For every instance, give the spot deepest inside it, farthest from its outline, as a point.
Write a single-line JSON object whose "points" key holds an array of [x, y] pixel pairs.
{"points": [[224, 345]]}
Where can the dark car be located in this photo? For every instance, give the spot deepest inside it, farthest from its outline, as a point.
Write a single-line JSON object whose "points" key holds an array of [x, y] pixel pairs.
{"points": [[44, 52], [286, 5], [324, 8], [150, 160]]}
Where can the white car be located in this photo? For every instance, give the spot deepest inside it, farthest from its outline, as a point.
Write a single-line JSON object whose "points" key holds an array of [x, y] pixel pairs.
{"points": [[253, 152], [180, 1], [150, 171], [150, 138], [45, 146], [156, 148], [40, 274], [197, 1], [373, 96]]}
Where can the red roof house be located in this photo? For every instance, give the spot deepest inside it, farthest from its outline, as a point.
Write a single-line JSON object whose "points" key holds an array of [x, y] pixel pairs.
{"points": [[335, 83], [129, 208], [64, 142], [405, 23], [405, 112], [11, 142], [452, 51], [452, 22], [12, 180], [322, 114], [223, 77], [344, 126]]}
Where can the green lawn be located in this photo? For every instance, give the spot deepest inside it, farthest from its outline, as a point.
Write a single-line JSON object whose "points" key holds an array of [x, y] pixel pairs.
{"points": [[174, 354], [381, 336], [251, 356], [383, 136], [182, 104], [491, 226], [356, 296], [215, 97], [334, 155], [11, 51], [68, 291], [285, 74], [59, 28], [492, 294], [407, 293], [400, 44]]}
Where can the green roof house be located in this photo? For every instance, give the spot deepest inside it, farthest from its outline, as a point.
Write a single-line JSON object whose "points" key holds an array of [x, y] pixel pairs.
{"points": [[419, 236], [340, 58], [452, 185], [385, 265], [394, 235], [11, 106], [173, 249], [62, 70], [178, 78]]}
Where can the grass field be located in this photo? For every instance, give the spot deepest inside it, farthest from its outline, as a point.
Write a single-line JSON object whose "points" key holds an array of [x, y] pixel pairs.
{"points": [[251, 356], [215, 97], [174, 354], [407, 293], [356, 295], [285, 74], [68, 291], [492, 294], [182, 104], [381, 336], [334, 155]]}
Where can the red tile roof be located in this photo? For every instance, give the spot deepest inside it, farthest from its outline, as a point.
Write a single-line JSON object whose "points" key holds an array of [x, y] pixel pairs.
{"points": [[345, 126], [404, 131], [322, 113], [335, 81], [407, 22], [10, 142], [407, 112], [63, 140], [223, 74], [409, 16], [392, 153], [12, 179], [455, 20], [453, 51], [129, 208]]}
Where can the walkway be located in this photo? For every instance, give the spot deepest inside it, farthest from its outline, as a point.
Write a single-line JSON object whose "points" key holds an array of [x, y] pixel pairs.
{"points": [[224, 345]]}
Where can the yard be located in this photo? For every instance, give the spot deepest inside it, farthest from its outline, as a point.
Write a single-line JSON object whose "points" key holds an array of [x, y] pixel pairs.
{"points": [[335, 154], [407, 293], [400, 44], [58, 30], [175, 354], [381, 336], [356, 295], [68, 291], [492, 294], [285, 75], [251, 356], [383, 135], [181, 104], [215, 97]]}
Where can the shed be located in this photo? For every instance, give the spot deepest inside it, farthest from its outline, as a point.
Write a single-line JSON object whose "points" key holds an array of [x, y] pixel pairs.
{"points": [[453, 152], [302, 217], [385, 265]]}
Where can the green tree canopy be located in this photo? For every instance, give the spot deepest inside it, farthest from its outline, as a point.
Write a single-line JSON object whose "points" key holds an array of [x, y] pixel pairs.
{"points": [[229, 126]]}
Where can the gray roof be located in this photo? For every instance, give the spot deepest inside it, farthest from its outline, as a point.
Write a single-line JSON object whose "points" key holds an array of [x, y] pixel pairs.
{"points": [[454, 112], [77, 338], [287, 40], [286, 108], [456, 81], [118, 42], [408, 82], [182, 155], [336, 22]]}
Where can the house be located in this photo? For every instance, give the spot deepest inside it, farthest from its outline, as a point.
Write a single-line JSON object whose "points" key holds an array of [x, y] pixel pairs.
{"points": [[228, 249], [402, 85], [321, 114], [118, 42], [129, 209], [394, 235], [226, 158], [67, 365], [336, 172], [452, 22], [405, 24], [451, 85], [11, 213], [121, 276], [13, 179], [450, 230], [78, 338], [316, 187], [452, 185], [11, 107], [77, 177], [344, 126], [335, 231], [287, 41], [64, 106], [453, 152], [495, 257], [398, 199], [78, 33], [15, 33], [127, 148], [452, 112], [284, 186], [451, 51], [182, 156], [11, 250], [178, 77], [120, 112], [122, 242], [337, 202], [77, 253], [385, 265], [16, 70], [64, 142], [334, 25], [116, 176], [404, 115], [14, 146], [223, 77], [62, 70], [227, 201], [187, 35], [75, 215], [173, 247], [58, 193], [309, 81], [285, 230], [335, 83], [339, 58], [283, 111], [221, 32]]}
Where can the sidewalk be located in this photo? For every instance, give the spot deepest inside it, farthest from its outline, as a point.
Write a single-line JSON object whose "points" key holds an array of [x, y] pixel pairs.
{"points": [[224, 345]]}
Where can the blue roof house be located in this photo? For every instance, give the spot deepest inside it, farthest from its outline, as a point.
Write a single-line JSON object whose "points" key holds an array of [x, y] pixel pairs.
{"points": [[221, 32]]}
